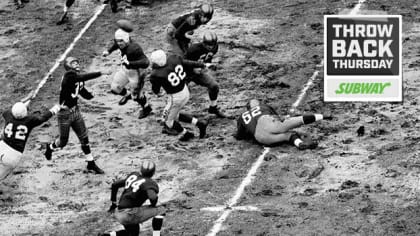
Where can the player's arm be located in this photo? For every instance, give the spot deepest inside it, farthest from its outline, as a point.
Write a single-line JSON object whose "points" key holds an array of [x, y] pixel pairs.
{"points": [[114, 189], [111, 48], [155, 84], [38, 120], [192, 64], [141, 61], [153, 197], [86, 76]]}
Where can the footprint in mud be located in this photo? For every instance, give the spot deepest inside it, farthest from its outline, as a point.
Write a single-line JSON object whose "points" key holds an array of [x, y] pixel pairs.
{"points": [[349, 184]]}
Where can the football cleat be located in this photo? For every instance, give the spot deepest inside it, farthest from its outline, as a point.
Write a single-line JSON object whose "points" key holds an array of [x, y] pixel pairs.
{"points": [[186, 137], [48, 152], [169, 131], [93, 168], [202, 126], [145, 112], [215, 110], [307, 145], [124, 99]]}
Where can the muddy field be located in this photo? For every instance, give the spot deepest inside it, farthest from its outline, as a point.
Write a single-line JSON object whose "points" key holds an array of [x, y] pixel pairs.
{"points": [[268, 49]]}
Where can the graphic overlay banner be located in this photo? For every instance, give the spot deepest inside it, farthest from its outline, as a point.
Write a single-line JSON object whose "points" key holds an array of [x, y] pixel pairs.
{"points": [[363, 58]]}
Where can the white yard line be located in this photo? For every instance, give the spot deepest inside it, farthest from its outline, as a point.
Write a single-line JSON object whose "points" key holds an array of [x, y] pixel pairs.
{"points": [[68, 50], [251, 174]]}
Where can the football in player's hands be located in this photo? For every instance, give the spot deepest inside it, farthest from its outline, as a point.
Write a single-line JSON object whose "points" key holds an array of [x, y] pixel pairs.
{"points": [[112, 208]]}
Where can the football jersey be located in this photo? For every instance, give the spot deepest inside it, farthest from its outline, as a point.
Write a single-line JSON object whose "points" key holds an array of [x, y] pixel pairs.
{"points": [[133, 53], [171, 77], [197, 52], [135, 191], [248, 120], [16, 131], [71, 85], [185, 23]]}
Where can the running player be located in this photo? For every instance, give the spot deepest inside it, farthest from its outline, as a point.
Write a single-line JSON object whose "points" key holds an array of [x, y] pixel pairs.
{"points": [[204, 52], [130, 73], [169, 73], [186, 24]]}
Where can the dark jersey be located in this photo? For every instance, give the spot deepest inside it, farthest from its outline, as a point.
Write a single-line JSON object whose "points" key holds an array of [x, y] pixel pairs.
{"points": [[72, 84], [185, 23], [133, 53], [135, 190], [247, 122], [197, 52], [171, 77], [16, 132]]}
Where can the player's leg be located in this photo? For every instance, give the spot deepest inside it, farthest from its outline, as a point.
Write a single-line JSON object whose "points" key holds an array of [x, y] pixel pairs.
{"points": [[201, 124], [295, 122], [119, 81], [66, 7], [136, 88], [208, 81], [64, 119], [79, 127], [9, 160]]}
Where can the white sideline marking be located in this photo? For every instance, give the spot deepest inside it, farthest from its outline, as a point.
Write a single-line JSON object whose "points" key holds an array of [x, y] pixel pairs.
{"points": [[235, 208], [68, 50], [248, 179], [219, 222]]}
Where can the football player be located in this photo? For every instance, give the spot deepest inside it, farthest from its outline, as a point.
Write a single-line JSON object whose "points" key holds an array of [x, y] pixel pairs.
{"points": [[204, 52], [73, 85], [138, 188], [19, 3], [169, 73], [18, 126], [262, 123], [66, 8], [187, 23], [132, 61]]}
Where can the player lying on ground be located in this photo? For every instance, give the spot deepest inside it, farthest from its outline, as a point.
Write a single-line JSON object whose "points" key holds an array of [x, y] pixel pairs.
{"points": [[262, 123], [187, 23], [130, 72], [18, 126], [138, 188], [169, 73], [73, 85], [204, 52]]}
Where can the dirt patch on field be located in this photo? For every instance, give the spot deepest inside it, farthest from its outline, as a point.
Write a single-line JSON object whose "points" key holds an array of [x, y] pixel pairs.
{"points": [[366, 185]]}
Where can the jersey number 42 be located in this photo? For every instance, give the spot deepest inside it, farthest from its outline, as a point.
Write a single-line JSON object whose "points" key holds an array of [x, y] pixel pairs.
{"points": [[20, 134]]}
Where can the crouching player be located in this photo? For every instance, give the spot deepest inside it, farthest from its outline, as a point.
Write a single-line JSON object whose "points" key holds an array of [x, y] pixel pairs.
{"points": [[18, 126], [138, 188], [262, 123]]}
